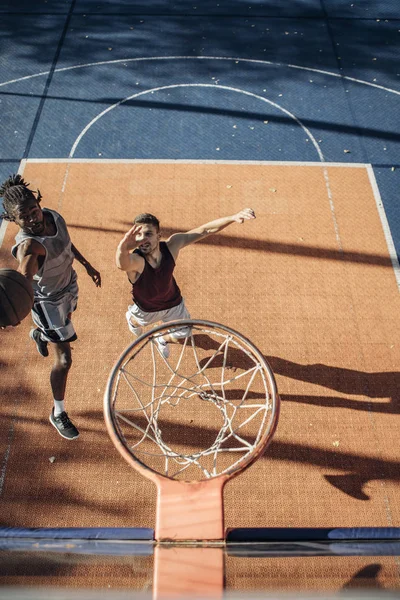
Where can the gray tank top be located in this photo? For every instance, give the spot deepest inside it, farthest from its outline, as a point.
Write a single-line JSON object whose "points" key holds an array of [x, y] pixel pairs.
{"points": [[56, 273]]}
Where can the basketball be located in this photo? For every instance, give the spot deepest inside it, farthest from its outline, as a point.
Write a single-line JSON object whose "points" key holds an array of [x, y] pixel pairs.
{"points": [[16, 297]]}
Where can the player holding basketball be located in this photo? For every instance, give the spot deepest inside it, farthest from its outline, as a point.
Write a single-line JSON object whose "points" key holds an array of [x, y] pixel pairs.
{"points": [[45, 254], [149, 264]]}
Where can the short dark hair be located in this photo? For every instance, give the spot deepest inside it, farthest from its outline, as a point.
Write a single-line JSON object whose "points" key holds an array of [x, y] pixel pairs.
{"points": [[147, 219], [15, 191]]}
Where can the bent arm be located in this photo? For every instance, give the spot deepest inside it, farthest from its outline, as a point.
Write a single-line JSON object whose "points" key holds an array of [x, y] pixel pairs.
{"points": [[28, 254], [125, 259], [177, 241]]}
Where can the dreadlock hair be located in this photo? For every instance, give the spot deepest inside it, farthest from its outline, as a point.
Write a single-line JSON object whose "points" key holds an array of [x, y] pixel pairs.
{"points": [[147, 219], [15, 191]]}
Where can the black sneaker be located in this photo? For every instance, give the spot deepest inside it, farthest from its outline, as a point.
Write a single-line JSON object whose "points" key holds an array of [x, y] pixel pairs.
{"points": [[41, 345], [64, 425]]}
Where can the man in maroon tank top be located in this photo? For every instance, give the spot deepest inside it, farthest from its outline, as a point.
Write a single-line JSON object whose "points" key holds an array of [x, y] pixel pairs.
{"points": [[149, 264]]}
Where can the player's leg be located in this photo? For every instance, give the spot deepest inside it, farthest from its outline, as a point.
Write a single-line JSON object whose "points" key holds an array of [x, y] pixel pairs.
{"points": [[53, 321], [58, 380], [175, 335], [133, 323], [175, 314], [37, 333], [137, 319]]}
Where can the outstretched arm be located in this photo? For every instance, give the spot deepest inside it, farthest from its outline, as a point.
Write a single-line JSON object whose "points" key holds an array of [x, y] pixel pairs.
{"points": [[177, 241], [91, 271]]}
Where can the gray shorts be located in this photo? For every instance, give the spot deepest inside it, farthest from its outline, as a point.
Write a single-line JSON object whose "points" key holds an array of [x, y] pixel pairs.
{"points": [[137, 318], [51, 317]]}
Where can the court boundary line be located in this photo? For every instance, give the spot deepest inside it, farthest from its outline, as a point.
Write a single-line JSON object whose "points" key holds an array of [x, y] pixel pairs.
{"points": [[385, 223], [174, 86], [196, 161]]}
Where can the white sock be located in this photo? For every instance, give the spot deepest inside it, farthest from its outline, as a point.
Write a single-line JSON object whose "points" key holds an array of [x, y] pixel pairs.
{"points": [[58, 407]]}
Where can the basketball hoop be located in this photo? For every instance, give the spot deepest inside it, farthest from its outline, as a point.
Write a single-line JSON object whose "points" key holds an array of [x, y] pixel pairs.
{"points": [[191, 421]]}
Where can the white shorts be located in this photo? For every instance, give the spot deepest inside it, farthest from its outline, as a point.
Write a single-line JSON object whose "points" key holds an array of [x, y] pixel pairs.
{"points": [[52, 317], [138, 318]]}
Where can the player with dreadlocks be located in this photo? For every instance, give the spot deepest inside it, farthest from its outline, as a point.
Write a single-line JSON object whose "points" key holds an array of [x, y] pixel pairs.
{"points": [[45, 254]]}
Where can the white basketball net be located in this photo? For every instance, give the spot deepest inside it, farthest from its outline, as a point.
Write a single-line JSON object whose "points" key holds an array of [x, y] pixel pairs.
{"points": [[200, 412]]}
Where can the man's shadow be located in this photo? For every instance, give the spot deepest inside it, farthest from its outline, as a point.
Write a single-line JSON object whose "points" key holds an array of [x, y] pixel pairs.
{"points": [[349, 382], [346, 381]]}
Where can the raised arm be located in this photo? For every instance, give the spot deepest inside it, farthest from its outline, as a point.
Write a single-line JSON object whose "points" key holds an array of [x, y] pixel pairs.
{"points": [[177, 241], [125, 259]]}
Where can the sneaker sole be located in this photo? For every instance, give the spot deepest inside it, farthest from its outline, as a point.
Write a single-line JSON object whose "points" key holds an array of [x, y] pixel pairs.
{"points": [[37, 347], [59, 432]]}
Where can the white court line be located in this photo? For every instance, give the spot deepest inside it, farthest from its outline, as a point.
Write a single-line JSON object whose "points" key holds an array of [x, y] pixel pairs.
{"points": [[225, 88], [64, 185], [237, 59], [385, 224], [197, 85], [332, 208], [271, 163]]}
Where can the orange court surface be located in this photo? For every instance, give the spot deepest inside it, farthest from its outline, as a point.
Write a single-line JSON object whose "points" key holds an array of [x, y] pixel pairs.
{"points": [[310, 282]]}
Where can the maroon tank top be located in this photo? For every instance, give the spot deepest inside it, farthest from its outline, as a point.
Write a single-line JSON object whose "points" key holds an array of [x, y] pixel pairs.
{"points": [[156, 288]]}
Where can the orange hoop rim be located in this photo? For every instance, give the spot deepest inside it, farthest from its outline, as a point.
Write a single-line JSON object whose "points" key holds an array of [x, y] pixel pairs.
{"points": [[141, 467]]}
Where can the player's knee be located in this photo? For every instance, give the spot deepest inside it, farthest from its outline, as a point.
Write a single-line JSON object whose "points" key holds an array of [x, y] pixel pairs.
{"points": [[65, 360]]}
